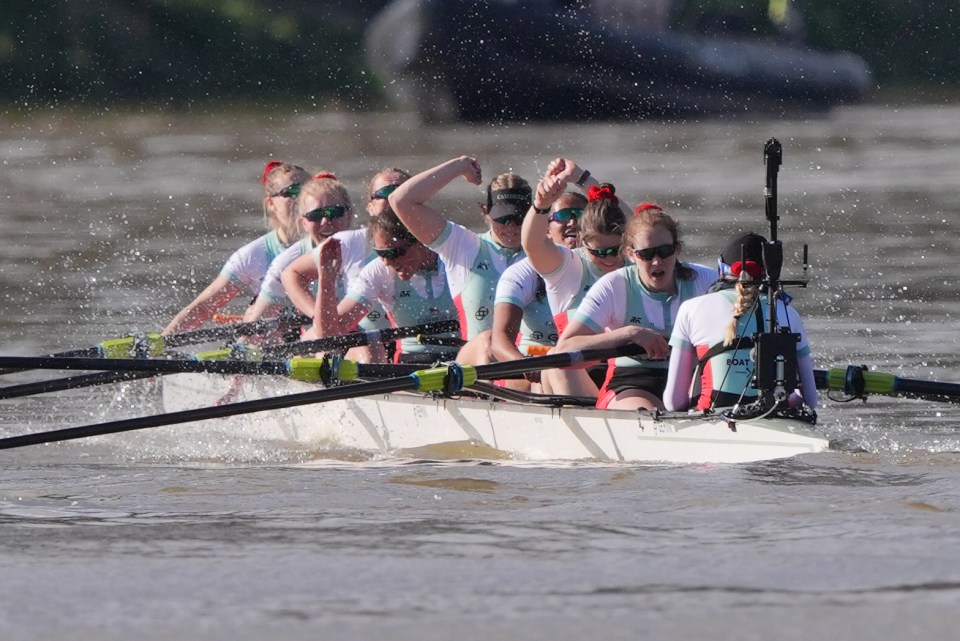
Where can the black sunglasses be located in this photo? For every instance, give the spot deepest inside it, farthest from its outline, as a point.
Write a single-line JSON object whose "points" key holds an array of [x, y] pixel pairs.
{"points": [[663, 251], [510, 219], [392, 253], [290, 191], [383, 192], [603, 252], [330, 211]]}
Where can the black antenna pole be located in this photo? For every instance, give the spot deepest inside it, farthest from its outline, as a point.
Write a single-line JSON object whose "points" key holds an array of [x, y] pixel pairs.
{"points": [[772, 158]]}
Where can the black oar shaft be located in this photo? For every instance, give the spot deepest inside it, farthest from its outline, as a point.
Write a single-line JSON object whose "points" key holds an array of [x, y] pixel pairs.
{"points": [[252, 328], [72, 382], [357, 339], [146, 365], [422, 380], [233, 409]]}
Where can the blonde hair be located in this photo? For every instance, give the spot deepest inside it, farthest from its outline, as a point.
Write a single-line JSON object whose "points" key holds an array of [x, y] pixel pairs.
{"points": [[277, 176], [402, 176], [325, 184], [747, 294], [656, 217]]}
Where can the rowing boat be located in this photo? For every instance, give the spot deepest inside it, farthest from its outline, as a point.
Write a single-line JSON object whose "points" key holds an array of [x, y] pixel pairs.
{"points": [[391, 424]]}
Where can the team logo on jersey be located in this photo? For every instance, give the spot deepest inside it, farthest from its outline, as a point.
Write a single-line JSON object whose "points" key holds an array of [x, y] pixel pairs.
{"points": [[636, 320], [404, 293], [482, 312], [536, 336], [373, 316], [483, 265]]}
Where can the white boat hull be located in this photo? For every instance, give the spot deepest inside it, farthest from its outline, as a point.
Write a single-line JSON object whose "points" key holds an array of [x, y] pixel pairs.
{"points": [[399, 422]]}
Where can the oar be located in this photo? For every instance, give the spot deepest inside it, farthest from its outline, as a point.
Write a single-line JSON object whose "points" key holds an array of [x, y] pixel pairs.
{"points": [[214, 361], [146, 345], [857, 382], [448, 379]]}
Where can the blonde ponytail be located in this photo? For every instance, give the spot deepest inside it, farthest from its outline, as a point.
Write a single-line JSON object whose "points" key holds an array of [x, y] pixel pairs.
{"points": [[747, 294]]}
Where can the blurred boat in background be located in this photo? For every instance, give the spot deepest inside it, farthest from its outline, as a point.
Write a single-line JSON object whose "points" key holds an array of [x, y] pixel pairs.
{"points": [[512, 60]]}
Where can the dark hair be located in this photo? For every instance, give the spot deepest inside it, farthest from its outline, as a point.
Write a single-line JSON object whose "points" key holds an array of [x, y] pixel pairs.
{"points": [[387, 224], [602, 214]]}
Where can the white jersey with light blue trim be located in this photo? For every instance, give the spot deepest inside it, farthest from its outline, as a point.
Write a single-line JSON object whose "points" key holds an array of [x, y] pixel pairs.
{"points": [[271, 289], [519, 285], [569, 283], [425, 298], [474, 263], [703, 322], [619, 299], [248, 265]]}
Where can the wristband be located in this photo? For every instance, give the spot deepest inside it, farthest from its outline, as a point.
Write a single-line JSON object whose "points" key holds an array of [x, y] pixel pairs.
{"points": [[540, 210], [583, 178]]}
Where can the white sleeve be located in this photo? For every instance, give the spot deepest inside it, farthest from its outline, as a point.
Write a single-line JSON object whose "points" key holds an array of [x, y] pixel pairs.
{"points": [[517, 285], [271, 289], [247, 265], [563, 284], [371, 285], [458, 247], [605, 304]]}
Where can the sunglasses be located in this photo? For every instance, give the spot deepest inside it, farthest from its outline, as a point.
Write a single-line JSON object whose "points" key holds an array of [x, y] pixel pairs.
{"points": [[510, 219], [603, 252], [663, 251], [566, 215], [331, 212], [383, 192], [290, 191], [392, 253]]}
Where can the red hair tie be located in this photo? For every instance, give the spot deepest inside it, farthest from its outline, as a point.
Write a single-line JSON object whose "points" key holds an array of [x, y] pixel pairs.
{"points": [[273, 164], [753, 268], [601, 192], [647, 207], [324, 174]]}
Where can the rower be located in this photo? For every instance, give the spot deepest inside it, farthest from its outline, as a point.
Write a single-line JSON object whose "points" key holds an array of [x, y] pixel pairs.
{"points": [[473, 262], [713, 338], [408, 280], [523, 324], [299, 277], [637, 304], [323, 208], [246, 267]]}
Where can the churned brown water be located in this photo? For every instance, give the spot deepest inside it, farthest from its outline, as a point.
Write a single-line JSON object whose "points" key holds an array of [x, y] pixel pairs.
{"points": [[111, 222]]}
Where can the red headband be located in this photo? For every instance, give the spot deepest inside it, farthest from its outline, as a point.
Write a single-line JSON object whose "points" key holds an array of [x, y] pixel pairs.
{"points": [[601, 192], [324, 174], [273, 164], [647, 207], [753, 268]]}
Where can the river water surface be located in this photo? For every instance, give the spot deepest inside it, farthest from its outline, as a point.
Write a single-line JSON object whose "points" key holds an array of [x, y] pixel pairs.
{"points": [[111, 222]]}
